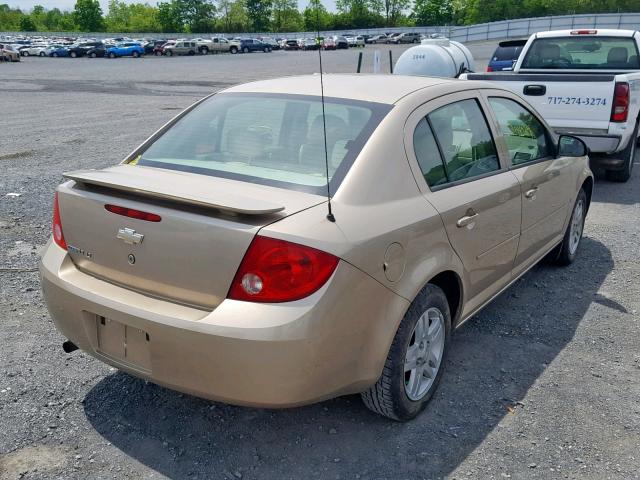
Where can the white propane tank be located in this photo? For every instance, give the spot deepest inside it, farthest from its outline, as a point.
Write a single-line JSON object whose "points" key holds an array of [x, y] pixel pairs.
{"points": [[438, 57]]}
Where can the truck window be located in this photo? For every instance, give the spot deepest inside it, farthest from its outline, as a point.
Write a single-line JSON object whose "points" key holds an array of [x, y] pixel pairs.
{"points": [[587, 52]]}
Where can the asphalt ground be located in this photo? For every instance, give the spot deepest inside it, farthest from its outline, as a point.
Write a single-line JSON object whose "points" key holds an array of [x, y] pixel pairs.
{"points": [[543, 383]]}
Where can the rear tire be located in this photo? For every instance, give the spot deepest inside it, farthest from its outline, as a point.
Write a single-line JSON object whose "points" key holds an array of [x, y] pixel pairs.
{"points": [[112, 55], [568, 249], [402, 392], [245, 50], [24, 53], [93, 55], [135, 54], [42, 54], [168, 53], [628, 154], [73, 54], [233, 50]]}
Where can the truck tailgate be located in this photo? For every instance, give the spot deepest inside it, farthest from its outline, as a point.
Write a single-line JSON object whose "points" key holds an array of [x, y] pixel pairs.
{"points": [[563, 100]]}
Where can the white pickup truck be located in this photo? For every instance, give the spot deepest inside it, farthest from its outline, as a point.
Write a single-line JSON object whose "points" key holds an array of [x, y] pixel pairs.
{"points": [[584, 83]]}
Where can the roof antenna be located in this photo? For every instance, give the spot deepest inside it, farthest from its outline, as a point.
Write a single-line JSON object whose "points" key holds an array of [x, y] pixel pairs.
{"points": [[330, 216]]}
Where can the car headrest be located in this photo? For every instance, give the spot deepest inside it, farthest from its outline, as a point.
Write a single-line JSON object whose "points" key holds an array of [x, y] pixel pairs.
{"points": [[550, 51], [618, 55]]}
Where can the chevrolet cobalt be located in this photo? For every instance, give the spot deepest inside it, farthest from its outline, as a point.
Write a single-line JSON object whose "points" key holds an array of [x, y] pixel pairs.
{"points": [[211, 262]]}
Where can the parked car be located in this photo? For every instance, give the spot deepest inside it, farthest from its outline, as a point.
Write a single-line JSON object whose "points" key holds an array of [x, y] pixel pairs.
{"points": [[382, 38], [81, 49], [391, 37], [248, 45], [126, 49], [341, 42], [9, 53], [209, 261], [273, 43], [603, 109], [33, 50], [98, 51], [407, 37], [151, 45], [181, 48], [356, 41], [291, 45], [328, 43], [57, 51], [159, 49], [308, 44], [506, 55]]}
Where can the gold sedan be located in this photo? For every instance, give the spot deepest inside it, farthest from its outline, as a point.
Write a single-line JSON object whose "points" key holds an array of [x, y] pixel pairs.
{"points": [[210, 261]]}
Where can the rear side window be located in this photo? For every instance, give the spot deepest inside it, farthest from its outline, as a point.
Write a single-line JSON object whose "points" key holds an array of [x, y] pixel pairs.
{"points": [[583, 52], [506, 53], [269, 139], [525, 136], [454, 143]]}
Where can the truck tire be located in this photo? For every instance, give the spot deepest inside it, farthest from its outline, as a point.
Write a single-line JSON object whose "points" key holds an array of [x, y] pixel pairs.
{"points": [[233, 50], [628, 154], [396, 395]]}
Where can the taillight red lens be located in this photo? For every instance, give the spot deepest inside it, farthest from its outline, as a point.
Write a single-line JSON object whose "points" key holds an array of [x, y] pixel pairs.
{"points": [[489, 68], [133, 213], [56, 227], [274, 271], [620, 108]]}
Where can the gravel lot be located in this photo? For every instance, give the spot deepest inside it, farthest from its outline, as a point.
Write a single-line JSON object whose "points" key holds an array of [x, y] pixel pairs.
{"points": [[544, 383]]}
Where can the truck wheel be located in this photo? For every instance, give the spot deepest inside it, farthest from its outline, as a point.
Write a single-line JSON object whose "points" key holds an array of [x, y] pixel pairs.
{"points": [[245, 50], [415, 361], [168, 53], [233, 50], [628, 154], [568, 249]]}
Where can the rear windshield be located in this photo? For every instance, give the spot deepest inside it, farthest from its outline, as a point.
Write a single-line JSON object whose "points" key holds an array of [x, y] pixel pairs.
{"points": [[583, 52], [507, 53], [268, 139]]}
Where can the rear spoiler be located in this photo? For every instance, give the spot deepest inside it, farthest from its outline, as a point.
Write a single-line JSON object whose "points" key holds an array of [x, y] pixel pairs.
{"points": [[178, 187]]}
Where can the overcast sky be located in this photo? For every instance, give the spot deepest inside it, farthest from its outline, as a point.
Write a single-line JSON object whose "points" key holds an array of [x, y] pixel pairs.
{"points": [[68, 4]]}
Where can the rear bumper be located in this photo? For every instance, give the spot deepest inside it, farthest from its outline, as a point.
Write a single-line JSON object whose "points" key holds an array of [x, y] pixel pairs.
{"points": [[270, 355], [598, 141]]}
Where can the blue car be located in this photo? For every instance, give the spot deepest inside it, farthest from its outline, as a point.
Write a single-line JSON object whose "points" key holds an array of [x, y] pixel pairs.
{"points": [[506, 55], [125, 50], [254, 45], [57, 51]]}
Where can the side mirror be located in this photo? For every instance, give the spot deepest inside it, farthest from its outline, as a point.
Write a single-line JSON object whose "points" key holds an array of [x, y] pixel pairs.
{"points": [[569, 146]]}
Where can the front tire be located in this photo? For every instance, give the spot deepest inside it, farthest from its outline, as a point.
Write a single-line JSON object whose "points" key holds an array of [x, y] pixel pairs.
{"points": [[415, 361], [112, 55], [245, 50], [568, 249]]}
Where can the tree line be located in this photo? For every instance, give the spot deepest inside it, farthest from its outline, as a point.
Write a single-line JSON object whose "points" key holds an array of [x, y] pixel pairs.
{"points": [[220, 16]]}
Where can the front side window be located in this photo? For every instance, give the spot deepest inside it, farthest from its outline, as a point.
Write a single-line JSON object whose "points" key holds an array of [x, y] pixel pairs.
{"points": [[269, 139], [464, 140], [583, 52], [525, 136]]}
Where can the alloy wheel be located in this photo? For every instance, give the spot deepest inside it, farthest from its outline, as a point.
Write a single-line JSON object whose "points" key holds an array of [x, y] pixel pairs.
{"points": [[424, 354]]}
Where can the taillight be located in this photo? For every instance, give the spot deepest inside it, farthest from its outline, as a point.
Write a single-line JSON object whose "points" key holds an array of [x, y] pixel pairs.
{"points": [[56, 227], [620, 108], [489, 68], [584, 32], [133, 213], [274, 271]]}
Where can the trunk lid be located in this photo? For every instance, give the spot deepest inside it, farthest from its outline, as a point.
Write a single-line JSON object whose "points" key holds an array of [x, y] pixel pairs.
{"points": [[191, 255]]}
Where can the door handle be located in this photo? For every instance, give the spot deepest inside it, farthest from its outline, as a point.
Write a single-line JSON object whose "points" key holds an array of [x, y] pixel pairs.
{"points": [[467, 219], [534, 90], [531, 193]]}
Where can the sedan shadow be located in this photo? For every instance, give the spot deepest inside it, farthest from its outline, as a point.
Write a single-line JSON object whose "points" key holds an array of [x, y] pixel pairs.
{"points": [[495, 358]]}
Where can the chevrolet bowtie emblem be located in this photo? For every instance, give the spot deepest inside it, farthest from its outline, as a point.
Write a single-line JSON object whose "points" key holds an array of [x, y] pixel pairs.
{"points": [[129, 235]]}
